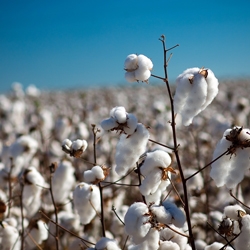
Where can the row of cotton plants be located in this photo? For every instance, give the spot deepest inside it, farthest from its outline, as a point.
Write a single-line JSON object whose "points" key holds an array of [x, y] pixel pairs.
{"points": [[142, 167]]}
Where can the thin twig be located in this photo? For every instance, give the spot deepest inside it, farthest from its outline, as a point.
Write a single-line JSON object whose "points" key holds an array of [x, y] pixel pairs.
{"points": [[22, 216], [10, 186], [114, 210], [52, 170], [231, 193], [198, 171], [139, 178], [163, 145]]}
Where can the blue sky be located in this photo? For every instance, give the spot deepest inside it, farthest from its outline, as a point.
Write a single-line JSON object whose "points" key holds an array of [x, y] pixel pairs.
{"points": [[73, 44]]}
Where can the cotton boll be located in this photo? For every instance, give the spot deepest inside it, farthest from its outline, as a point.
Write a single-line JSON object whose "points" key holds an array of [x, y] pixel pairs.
{"points": [[131, 62], [151, 183], [67, 144], [178, 217], [106, 243], [217, 246], [221, 167], [232, 211], [212, 88], [79, 145], [150, 242], [200, 244], [63, 181], [168, 245], [119, 114], [142, 74], [144, 62], [86, 199], [130, 76], [131, 124], [155, 159], [169, 235], [98, 172], [89, 176], [108, 124], [155, 197], [38, 233], [33, 91], [136, 222], [9, 238], [129, 149], [162, 215], [243, 241]]}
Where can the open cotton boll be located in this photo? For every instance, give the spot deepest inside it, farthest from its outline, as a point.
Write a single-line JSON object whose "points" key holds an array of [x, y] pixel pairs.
{"points": [[218, 246], [154, 198], [129, 149], [178, 217], [162, 215], [243, 240], [98, 172], [168, 245], [232, 211], [131, 62], [155, 159], [169, 235], [67, 143], [119, 114], [63, 181], [150, 242], [131, 124], [9, 238], [89, 176], [183, 87], [38, 233], [144, 62], [86, 199], [151, 183], [136, 221], [130, 76], [142, 74], [79, 144], [108, 124], [212, 88], [106, 243]]}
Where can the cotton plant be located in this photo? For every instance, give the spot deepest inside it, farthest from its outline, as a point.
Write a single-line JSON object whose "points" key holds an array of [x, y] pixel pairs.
{"points": [[218, 246], [138, 68], [230, 168], [195, 90], [32, 190], [156, 171], [129, 149], [37, 234], [74, 148], [86, 200], [96, 174], [9, 237], [106, 243], [121, 121]]}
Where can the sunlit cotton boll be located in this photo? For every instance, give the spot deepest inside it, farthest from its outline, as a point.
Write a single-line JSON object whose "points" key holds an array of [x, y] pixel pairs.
{"points": [[232, 211], [218, 246], [151, 241], [136, 222], [38, 233], [195, 90], [106, 243], [168, 245], [86, 199], [229, 169], [109, 123], [96, 173], [9, 238], [119, 114], [243, 241], [129, 149], [131, 62]]}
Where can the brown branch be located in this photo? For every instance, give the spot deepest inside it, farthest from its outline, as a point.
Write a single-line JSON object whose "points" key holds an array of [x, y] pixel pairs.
{"points": [[231, 193]]}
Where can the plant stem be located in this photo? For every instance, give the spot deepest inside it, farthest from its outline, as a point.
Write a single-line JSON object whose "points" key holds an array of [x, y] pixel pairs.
{"points": [[186, 206]]}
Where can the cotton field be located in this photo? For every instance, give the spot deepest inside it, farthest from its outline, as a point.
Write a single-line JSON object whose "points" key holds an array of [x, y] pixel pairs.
{"points": [[97, 168]]}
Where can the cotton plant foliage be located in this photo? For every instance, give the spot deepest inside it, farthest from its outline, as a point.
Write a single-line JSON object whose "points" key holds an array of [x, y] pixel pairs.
{"points": [[229, 169], [195, 90]]}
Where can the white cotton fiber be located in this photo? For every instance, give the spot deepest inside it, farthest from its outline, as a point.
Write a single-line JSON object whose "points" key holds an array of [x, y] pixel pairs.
{"points": [[162, 215], [142, 74], [120, 114], [144, 62], [232, 211], [106, 243], [151, 182], [178, 217], [168, 245], [218, 246], [98, 172], [129, 149], [89, 176], [130, 76], [108, 124], [86, 199], [155, 159], [131, 124], [131, 62], [136, 221], [243, 241]]}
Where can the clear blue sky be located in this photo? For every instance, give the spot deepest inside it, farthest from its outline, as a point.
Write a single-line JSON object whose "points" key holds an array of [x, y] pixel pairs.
{"points": [[70, 44]]}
